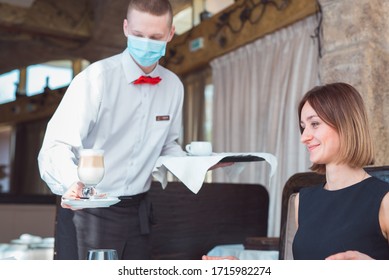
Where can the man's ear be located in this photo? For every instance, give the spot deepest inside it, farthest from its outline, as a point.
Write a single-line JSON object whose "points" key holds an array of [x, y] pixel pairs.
{"points": [[125, 25], [171, 33]]}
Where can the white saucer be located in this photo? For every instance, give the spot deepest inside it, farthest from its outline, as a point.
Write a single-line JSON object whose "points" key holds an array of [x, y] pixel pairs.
{"points": [[42, 246], [27, 239], [91, 203], [25, 242], [194, 155]]}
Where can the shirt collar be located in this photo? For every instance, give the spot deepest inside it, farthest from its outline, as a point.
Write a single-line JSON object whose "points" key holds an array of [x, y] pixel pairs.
{"points": [[132, 71]]}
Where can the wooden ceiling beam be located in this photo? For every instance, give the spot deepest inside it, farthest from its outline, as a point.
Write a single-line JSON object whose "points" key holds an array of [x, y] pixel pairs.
{"points": [[71, 19], [218, 35]]}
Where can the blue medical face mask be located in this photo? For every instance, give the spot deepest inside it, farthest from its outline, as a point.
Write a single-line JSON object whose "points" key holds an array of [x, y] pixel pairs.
{"points": [[145, 51]]}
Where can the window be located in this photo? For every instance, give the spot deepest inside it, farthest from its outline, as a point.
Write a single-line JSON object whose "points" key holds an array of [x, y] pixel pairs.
{"points": [[54, 75], [183, 21], [8, 85], [190, 17]]}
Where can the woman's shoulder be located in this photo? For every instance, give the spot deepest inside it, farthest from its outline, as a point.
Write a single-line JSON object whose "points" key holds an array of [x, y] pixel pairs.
{"points": [[378, 183]]}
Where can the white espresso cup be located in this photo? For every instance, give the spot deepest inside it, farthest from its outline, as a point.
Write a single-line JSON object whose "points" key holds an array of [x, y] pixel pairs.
{"points": [[199, 148]]}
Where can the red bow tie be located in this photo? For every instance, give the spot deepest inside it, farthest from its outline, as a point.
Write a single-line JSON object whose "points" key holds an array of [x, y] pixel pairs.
{"points": [[147, 80]]}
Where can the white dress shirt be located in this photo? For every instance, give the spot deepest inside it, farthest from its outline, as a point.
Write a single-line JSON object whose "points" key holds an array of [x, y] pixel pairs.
{"points": [[133, 124]]}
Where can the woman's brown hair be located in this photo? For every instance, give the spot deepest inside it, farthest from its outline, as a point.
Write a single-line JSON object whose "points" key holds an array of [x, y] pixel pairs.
{"points": [[341, 106]]}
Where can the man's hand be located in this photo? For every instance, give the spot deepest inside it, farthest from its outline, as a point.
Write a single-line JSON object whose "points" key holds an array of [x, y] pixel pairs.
{"points": [[74, 192], [220, 164]]}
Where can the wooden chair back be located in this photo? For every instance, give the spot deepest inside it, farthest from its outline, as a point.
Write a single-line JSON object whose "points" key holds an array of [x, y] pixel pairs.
{"points": [[291, 188]]}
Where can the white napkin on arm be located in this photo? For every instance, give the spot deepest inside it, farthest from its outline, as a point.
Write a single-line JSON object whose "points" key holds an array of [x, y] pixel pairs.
{"points": [[191, 170]]}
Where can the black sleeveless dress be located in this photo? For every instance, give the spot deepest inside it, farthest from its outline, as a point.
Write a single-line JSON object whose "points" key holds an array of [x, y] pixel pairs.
{"points": [[336, 221]]}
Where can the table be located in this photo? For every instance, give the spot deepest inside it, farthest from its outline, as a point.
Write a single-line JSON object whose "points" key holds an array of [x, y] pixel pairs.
{"points": [[25, 252], [237, 250]]}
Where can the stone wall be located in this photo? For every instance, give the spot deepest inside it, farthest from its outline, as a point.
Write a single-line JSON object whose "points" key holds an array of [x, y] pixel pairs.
{"points": [[355, 48]]}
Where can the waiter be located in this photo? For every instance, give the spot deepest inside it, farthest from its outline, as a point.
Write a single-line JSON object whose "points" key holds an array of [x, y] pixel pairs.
{"points": [[130, 107]]}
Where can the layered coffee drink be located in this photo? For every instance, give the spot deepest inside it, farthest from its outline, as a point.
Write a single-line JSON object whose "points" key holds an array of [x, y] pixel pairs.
{"points": [[90, 169]]}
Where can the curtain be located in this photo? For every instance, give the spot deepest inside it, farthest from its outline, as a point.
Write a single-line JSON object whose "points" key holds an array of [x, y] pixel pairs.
{"points": [[256, 92], [194, 105]]}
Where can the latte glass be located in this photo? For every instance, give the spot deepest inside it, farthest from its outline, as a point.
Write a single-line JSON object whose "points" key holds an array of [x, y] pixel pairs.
{"points": [[90, 170]]}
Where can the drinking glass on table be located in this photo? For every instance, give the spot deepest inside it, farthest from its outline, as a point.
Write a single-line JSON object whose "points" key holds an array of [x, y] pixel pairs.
{"points": [[90, 170], [102, 254]]}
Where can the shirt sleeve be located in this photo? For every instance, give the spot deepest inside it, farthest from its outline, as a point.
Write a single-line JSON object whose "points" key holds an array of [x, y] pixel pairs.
{"points": [[171, 146], [74, 117]]}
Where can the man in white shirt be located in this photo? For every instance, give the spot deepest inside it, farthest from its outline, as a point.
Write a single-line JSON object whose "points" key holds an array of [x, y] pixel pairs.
{"points": [[107, 107]]}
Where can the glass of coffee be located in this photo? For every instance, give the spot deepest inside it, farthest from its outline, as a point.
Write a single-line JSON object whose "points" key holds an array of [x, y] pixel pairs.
{"points": [[90, 170]]}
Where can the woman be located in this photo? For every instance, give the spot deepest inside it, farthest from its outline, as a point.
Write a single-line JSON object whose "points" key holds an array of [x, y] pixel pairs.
{"points": [[348, 216]]}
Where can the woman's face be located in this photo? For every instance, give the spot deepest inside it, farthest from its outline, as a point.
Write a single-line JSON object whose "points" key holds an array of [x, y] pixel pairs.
{"points": [[322, 141]]}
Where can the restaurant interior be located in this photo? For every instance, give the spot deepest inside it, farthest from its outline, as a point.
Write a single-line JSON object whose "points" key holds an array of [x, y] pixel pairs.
{"points": [[244, 65]]}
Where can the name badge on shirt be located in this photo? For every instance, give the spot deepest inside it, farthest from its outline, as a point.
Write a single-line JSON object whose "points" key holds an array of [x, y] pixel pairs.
{"points": [[162, 118]]}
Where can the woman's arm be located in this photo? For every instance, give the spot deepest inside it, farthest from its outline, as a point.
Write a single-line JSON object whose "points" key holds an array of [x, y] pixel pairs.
{"points": [[349, 255], [384, 216]]}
